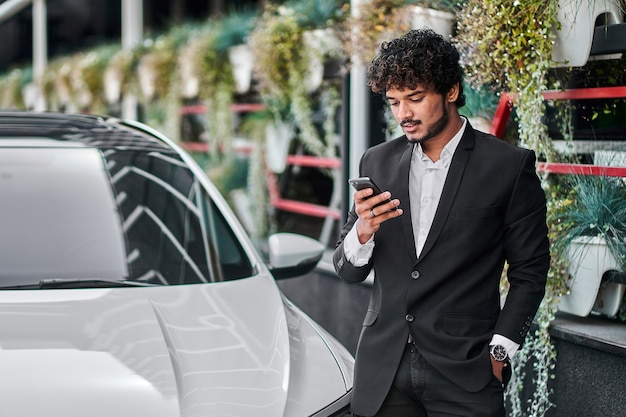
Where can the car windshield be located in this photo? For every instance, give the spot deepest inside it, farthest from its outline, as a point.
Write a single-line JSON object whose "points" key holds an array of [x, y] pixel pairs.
{"points": [[117, 213]]}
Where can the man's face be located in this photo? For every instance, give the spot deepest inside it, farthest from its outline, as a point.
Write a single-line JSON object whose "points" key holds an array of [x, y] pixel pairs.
{"points": [[422, 113]]}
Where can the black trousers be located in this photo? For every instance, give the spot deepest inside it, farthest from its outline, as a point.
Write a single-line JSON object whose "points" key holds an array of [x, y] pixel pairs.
{"points": [[419, 390]]}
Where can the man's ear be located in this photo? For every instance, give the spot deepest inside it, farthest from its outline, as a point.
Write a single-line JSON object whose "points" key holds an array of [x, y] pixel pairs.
{"points": [[453, 93]]}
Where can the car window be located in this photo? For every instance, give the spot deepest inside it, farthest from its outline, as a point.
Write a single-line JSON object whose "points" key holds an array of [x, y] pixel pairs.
{"points": [[58, 218], [117, 213]]}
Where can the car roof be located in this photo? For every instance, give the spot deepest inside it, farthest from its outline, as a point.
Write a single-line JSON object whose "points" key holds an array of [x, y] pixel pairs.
{"points": [[90, 130]]}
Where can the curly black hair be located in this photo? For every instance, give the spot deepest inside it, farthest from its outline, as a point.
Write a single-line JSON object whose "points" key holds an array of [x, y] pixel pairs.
{"points": [[419, 57]]}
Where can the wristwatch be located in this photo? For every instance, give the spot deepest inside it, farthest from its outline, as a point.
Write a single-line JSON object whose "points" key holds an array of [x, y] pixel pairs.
{"points": [[499, 353]]}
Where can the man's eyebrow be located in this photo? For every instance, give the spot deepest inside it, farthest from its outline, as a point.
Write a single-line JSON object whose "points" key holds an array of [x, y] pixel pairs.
{"points": [[412, 94]]}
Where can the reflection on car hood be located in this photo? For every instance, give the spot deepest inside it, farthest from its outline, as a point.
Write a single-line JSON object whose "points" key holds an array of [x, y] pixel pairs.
{"points": [[195, 350]]}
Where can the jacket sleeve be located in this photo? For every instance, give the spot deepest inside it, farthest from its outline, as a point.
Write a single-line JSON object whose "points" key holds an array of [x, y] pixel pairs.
{"points": [[344, 269], [527, 251]]}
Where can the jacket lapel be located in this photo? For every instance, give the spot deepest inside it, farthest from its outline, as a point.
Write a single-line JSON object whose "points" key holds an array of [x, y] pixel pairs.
{"points": [[403, 196], [450, 188]]}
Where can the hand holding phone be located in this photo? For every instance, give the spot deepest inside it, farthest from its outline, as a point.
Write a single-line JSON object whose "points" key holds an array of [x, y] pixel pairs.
{"points": [[362, 183]]}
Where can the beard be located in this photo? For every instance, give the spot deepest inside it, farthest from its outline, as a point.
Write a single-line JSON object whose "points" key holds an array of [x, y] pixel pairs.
{"points": [[434, 129]]}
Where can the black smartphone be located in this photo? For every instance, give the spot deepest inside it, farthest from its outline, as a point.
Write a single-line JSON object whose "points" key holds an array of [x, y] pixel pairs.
{"points": [[366, 182]]}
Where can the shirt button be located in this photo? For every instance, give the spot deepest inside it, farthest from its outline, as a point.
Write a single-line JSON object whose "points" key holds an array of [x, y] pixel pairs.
{"points": [[415, 274], [409, 318]]}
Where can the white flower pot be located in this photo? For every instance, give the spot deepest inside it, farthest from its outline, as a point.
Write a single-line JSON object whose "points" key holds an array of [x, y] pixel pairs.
{"points": [[318, 43], [241, 60], [590, 258], [147, 76], [278, 136], [573, 41], [609, 158], [112, 85], [190, 82], [437, 20]]}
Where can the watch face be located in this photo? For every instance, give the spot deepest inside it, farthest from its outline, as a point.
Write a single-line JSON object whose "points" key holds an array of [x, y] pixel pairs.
{"points": [[499, 353]]}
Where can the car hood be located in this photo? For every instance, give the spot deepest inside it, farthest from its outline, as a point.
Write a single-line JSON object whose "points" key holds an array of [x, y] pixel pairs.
{"points": [[221, 349]]}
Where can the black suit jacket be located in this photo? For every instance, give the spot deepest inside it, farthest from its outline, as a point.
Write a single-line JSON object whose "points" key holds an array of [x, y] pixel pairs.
{"points": [[492, 209]]}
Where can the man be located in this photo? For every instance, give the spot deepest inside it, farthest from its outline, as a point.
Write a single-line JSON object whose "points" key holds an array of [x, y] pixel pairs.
{"points": [[435, 340]]}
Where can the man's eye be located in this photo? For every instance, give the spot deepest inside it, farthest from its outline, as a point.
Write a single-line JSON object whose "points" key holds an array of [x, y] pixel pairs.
{"points": [[394, 103]]}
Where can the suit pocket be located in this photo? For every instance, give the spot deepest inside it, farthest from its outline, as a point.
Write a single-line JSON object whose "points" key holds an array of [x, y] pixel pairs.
{"points": [[475, 212], [461, 325], [370, 317]]}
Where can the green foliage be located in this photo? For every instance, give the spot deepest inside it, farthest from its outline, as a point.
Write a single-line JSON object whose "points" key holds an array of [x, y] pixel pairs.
{"points": [[444, 5], [578, 205], [235, 27], [508, 45], [538, 354], [596, 207], [373, 22], [282, 62], [228, 174], [11, 86], [480, 101], [313, 14], [279, 55], [93, 65], [213, 69]]}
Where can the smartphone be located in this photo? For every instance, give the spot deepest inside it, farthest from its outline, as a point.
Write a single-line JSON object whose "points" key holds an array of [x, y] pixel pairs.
{"points": [[366, 182]]}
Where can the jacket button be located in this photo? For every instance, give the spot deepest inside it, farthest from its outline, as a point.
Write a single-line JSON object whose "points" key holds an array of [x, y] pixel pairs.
{"points": [[415, 274], [409, 318]]}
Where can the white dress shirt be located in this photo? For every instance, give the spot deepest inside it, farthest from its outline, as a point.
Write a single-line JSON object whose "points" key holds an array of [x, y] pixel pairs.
{"points": [[426, 179]]}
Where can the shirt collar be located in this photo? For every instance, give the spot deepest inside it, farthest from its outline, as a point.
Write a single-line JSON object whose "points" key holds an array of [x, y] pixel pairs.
{"points": [[448, 150]]}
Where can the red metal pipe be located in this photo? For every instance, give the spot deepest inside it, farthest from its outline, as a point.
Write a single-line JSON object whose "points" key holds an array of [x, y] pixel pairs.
{"points": [[581, 169]]}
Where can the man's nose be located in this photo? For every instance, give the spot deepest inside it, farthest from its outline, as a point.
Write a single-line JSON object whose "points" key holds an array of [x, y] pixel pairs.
{"points": [[404, 111]]}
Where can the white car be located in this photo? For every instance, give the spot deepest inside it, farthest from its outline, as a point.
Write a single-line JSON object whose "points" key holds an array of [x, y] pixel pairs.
{"points": [[129, 289]]}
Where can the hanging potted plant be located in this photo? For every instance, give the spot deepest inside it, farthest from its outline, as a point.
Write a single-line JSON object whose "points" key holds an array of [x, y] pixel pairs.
{"points": [[158, 96], [120, 75], [281, 63], [11, 86], [159, 85], [518, 64], [216, 88], [371, 24], [189, 71], [593, 240], [435, 14], [377, 21], [89, 78], [231, 39], [577, 20], [55, 83], [320, 20]]}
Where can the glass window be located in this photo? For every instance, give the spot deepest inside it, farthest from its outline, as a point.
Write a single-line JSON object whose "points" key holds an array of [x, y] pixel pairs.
{"points": [[58, 218], [113, 214]]}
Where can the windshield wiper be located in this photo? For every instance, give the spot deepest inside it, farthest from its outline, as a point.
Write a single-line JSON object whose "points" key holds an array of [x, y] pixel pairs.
{"points": [[79, 283], [90, 283]]}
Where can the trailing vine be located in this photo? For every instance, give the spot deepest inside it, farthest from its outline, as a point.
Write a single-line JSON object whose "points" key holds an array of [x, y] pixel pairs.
{"points": [[518, 62], [538, 352], [507, 45]]}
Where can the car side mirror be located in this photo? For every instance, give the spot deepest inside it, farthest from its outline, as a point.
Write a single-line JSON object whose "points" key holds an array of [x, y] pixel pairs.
{"points": [[291, 254]]}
